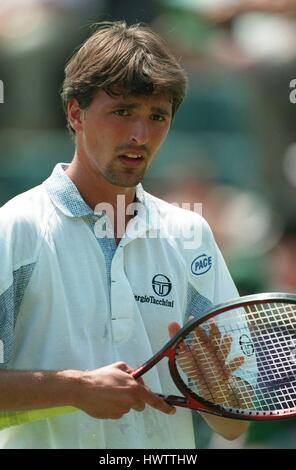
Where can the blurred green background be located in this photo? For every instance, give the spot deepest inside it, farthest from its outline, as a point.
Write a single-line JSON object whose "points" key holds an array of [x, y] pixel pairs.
{"points": [[232, 146]]}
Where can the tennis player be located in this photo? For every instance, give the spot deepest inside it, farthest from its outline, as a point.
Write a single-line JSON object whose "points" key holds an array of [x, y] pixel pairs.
{"points": [[94, 269]]}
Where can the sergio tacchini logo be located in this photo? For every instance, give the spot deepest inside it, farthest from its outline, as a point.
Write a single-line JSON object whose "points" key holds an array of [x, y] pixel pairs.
{"points": [[161, 284]]}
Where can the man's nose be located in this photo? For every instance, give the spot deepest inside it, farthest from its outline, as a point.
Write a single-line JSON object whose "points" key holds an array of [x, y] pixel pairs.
{"points": [[139, 132]]}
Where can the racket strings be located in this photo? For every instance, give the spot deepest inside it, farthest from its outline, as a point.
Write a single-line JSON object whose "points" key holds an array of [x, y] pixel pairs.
{"points": [[265, 336], [222, 392], [273, 333]]}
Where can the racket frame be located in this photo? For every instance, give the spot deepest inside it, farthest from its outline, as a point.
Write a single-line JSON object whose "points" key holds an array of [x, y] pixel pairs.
{"points": [[190, 399]]}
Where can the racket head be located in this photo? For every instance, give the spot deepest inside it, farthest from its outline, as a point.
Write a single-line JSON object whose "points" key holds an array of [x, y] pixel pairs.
{"points": [[264, 329]]}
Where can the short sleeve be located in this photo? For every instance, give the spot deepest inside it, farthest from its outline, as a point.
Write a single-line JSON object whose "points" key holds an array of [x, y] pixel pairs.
{"points": [[10, 301], [17, 261]]}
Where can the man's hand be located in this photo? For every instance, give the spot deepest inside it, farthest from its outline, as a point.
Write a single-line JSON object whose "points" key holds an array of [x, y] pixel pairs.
{"points": [[207, 373], [110, 392], [204, 362]]}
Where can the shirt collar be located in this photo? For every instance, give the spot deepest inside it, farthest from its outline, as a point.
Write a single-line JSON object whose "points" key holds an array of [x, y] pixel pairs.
{"points": [[64, 195]]}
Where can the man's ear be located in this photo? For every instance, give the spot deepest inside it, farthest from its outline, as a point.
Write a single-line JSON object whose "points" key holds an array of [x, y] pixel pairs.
{"points": [[75, 115]]}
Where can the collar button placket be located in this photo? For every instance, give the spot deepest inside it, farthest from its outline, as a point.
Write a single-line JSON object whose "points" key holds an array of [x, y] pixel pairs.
{"points": [[121, 300]]}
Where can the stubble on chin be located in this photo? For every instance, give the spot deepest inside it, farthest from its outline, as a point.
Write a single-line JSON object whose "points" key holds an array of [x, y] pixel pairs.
{"points": [[125, 179]]}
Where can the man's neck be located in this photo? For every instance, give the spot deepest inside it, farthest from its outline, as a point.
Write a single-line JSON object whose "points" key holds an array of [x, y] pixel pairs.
{"points": [[94, 189]]}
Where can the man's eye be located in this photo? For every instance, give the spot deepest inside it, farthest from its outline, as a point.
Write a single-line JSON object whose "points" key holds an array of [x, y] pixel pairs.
{"points": [[121, 112], [157, 117]]}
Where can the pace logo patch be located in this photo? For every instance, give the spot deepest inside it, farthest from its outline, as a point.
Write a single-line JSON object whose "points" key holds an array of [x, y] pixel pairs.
{"points": [[201, 265]]}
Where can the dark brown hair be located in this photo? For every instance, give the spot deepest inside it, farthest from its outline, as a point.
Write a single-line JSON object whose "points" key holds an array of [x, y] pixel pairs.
{"points": [[123, 60]]}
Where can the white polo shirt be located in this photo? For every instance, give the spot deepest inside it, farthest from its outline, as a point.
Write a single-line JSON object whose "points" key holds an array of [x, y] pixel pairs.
{"points": [[72, 300]]}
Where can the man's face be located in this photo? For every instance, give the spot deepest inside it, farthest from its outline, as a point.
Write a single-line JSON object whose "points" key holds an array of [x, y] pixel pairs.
{"points": [[120, 136]]}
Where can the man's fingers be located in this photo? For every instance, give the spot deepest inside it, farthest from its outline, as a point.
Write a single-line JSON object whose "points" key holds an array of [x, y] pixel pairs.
{"points": [[214, 331], [140, 407], [140, 380], [200, 335], [235, 364], [123, 366], [158, 403], [146, 396], [173, 328], [225, 346], [161, 405]]}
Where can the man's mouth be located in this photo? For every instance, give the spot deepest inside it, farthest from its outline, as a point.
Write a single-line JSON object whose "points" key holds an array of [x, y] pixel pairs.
{"points": [[131, 160]]}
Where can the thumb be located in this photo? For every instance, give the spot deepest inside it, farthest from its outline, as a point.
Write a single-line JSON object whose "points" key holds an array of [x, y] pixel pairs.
{"points": [[173, 328]]}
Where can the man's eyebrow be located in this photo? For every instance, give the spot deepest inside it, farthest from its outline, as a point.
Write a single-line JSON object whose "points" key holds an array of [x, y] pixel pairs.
{"points": [[154, 109], [158, 110]]}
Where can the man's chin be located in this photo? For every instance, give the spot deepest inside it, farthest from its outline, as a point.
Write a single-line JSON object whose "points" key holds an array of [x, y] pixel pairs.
{"points": [[126, 181], [128, 184]]}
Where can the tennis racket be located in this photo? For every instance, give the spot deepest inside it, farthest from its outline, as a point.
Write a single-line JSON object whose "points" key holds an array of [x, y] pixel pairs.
{"points": [[237, 361]]}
